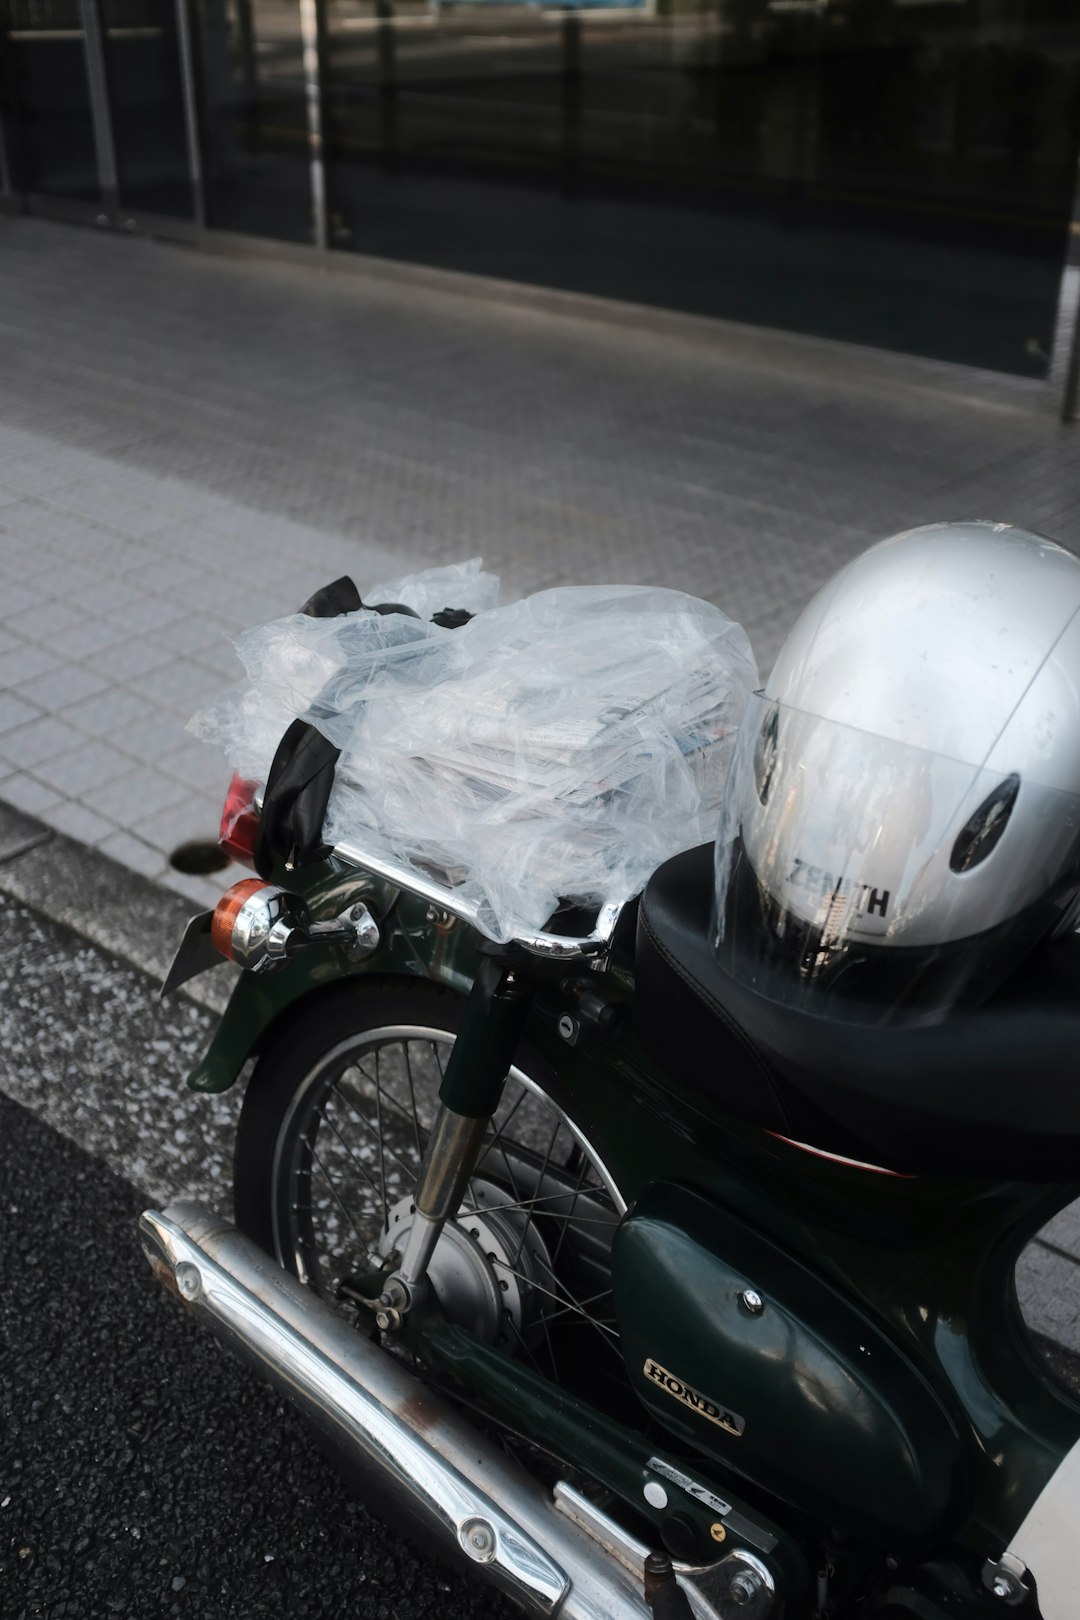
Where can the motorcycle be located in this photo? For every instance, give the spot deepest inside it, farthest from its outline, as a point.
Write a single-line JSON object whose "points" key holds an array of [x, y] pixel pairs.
{"points": [[581, 1258]]}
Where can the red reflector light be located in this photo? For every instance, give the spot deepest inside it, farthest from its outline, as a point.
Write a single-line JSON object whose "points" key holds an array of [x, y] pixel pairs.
{"points": [[228, 909], [240, 822]]}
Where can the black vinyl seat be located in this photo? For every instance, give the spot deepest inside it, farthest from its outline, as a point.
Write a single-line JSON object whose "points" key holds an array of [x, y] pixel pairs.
{"points": [[993, 1092]]}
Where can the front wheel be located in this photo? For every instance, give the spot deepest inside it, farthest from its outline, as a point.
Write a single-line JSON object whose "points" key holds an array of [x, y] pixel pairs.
{"points": [[332, 1131]]}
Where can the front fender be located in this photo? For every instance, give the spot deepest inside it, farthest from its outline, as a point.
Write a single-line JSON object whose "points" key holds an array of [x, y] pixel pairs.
{"points": [[257, 1003], [414, 945]]}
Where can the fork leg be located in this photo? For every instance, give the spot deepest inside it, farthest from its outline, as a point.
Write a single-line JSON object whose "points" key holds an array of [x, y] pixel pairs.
{"points": [[469, 1095]]}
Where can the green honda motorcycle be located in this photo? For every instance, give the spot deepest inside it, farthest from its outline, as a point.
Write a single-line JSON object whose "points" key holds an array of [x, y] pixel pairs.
{"points": [[660, 1260]]}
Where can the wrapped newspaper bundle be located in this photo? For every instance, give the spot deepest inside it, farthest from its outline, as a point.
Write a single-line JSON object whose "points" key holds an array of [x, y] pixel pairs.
{"points": [[555, 749]]}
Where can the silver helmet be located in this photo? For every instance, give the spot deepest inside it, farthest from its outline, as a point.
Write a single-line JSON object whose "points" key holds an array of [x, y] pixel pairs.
{"points": [[902, 818]]}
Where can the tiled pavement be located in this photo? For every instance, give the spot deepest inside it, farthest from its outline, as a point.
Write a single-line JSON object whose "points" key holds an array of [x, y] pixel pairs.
{"points": [[191, 443], [118, 595]]}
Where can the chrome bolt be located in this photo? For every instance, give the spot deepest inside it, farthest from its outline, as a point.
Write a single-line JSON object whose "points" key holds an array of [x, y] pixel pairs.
{"points": [[188, 1280], [478, 1539], [751, 1302], [745, 1587], [1005, 1579], [1008, 1587], [388, 1319]]}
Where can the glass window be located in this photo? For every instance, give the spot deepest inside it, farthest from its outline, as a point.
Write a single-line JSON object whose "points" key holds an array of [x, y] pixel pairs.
{"points": [[146, 100], [441, 122], [49, 127], [256, 157], [891, 172]]}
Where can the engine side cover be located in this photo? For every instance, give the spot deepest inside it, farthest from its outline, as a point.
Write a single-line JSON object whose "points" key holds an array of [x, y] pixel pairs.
{"points": [[805, 1397]]}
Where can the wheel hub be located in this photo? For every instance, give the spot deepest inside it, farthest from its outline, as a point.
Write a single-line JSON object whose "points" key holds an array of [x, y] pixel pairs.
{"points": [[490, 1272]]}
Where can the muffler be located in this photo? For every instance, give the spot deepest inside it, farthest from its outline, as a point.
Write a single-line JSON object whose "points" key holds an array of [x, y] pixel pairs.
{"points": [[382, 1426]]}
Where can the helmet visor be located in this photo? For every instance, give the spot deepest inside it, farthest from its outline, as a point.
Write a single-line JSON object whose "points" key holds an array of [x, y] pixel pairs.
{"points": [[863, 878]]}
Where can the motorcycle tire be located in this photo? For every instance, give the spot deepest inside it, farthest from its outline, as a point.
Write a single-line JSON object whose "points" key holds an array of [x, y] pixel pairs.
{"points": [[331, 1133]]}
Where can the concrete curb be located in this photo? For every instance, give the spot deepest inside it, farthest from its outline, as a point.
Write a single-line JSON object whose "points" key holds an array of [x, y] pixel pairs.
{"points": [[127, 915]]}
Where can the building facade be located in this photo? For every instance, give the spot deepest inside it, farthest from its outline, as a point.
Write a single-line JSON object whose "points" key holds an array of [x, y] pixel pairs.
{"points": [[892, 172]]}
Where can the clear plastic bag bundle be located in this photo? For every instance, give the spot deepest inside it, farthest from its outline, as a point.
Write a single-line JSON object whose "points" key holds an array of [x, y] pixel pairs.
{"points": [[556, 749]]}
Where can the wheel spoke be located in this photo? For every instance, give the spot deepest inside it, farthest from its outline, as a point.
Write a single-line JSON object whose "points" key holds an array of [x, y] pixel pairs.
{"points": [[388, 1096], [581, 1305], [526, 1225], [496, 1141], [500, 1129], [365, 1173], [555, 1214], [554, 1201], [522, 1343], [580, 1189], [382, 1160], [409, 1169], [336, 1195], [412, 1101], [568, 1306]]}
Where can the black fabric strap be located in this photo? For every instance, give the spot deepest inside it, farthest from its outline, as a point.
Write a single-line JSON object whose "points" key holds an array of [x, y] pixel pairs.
{"points": [[294, 802]]}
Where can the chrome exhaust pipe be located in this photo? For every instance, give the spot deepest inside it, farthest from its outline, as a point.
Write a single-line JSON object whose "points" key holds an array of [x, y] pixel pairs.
{"points": [[382, 1425]]}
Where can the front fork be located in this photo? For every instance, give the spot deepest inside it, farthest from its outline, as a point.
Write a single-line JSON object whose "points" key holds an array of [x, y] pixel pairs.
{"points": [[261, 927], [469, 1095]]}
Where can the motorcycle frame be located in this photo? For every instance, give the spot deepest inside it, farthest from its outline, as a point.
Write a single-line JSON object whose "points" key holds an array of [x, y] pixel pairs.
{"points": [[930, 1259]]}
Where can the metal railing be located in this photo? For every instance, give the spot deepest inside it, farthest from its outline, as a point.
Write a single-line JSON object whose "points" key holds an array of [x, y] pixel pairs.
{"points": [[555, 947]]}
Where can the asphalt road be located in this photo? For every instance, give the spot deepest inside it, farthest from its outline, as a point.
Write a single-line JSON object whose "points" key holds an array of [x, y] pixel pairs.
{"points": [[144, 1471]]}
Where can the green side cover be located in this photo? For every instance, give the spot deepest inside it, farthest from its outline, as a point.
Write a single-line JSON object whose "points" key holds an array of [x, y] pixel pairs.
{"points": [[800, 1393]]}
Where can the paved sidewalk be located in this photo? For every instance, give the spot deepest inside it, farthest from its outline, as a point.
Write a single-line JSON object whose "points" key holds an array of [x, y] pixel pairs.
{"points": [[190, 444]]}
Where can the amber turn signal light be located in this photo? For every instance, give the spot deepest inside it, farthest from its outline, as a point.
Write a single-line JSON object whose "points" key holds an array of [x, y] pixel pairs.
{"points": [[228, 909]]}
